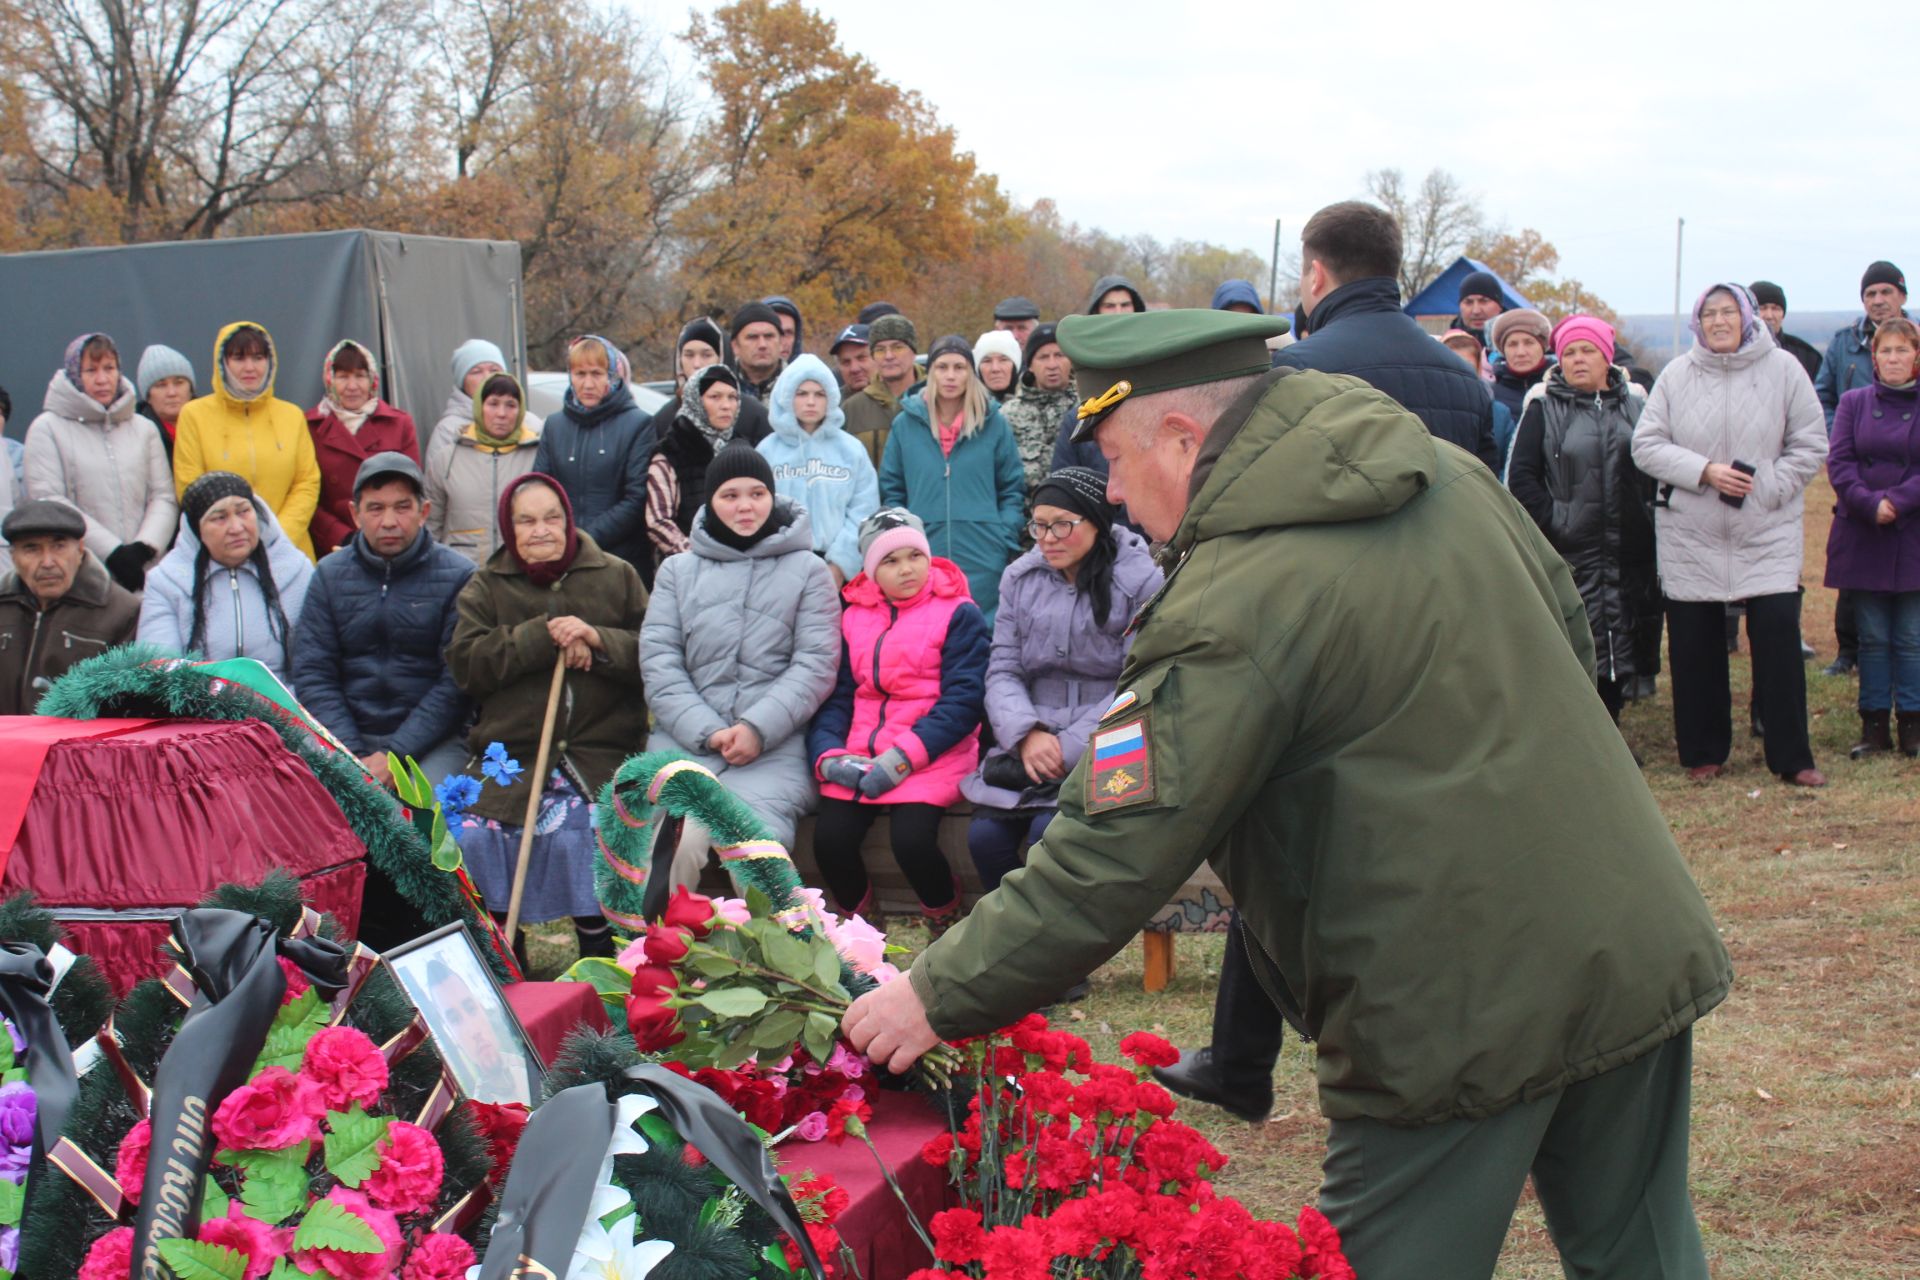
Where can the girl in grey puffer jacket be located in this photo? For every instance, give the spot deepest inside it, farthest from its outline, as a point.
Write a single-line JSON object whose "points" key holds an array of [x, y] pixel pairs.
{"points": [[740, 646]]}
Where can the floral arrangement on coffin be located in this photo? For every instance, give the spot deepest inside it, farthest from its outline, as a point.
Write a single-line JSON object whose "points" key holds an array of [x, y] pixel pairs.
{"points": [[1065, 1164], [19, 1112], [308, 1182]]}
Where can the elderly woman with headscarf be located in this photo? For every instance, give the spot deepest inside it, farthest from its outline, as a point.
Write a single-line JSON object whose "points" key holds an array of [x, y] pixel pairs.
{"points": [[1732, 432], [818, 465], [233, 585], [349, 425], [468, 470], [1058, 644], [550, 595]]}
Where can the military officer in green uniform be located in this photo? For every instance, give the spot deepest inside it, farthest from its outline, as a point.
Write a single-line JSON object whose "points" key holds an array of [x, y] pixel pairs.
{"points": [[1365, 695]]}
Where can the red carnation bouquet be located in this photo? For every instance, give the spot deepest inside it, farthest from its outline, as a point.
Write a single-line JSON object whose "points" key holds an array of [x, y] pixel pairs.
{"points": [[1064, 1162], [309, 1182]]}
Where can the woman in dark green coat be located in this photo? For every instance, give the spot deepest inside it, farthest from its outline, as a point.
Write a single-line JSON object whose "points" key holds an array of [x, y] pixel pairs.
{"points": [[549, 594]]}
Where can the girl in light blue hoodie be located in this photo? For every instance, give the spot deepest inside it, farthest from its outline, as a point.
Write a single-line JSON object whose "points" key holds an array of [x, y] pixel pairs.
{"points": [[818, 465]]}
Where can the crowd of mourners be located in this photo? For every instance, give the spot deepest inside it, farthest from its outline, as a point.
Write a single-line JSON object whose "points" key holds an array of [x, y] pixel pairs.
{"points": [[882, 579]]}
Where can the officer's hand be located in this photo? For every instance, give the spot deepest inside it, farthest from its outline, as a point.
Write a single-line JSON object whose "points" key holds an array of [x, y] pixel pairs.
{"points": [[1041, 756], [890, 1026]]}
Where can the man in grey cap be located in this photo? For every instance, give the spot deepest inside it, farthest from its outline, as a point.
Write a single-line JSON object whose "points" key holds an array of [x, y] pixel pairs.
{"points": [[1018, 316], [852, 350], [58, 606], [379, 616]]}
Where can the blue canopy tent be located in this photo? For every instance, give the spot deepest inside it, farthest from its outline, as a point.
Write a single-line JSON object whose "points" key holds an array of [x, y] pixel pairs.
{"points": [[1441, 299]]}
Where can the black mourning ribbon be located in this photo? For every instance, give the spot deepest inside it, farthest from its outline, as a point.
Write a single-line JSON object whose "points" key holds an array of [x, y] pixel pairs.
{"points": [[26, 989]]}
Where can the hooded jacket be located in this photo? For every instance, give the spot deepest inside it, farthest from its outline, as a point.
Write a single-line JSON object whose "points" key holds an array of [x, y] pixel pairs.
{"points": [[370, 661], [1572, 469], [827, 472], [600, 456], [1753, 405], [1052, 667], [1875, 457], [1360, 329], [1107, 284], [38, 646], [973, 502], [107, 462], [237, 624], [1450, 871], [466, 476], [263, 439], [339, 453], [748, 637]]}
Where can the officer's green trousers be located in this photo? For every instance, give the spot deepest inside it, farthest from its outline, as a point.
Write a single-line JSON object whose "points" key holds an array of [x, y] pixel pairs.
{"points": [[1609, 1162]]}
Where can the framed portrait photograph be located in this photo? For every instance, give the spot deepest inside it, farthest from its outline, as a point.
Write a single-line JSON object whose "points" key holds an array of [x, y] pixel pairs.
{"points": [[472, 1026]]}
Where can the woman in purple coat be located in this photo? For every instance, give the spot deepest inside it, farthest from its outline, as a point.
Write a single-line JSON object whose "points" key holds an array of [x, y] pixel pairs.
{"points": [[1874, 546], [1058, 643]]}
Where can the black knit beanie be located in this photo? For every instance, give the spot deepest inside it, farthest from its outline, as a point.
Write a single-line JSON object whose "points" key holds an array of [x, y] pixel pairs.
{"points": [[1042, 334], [1482, 283], [1083, 491], [736, 460], [1883, 272], [702, 329], [1766, 291], [874, 310], [212, 487], [952, 344], [752, 313]]}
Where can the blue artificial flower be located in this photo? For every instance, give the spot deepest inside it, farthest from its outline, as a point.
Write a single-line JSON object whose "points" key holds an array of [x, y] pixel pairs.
{"points": [[456, 794], [498, 768]]}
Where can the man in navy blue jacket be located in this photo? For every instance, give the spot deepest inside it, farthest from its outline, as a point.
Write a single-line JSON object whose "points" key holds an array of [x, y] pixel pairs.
{"points": [[1350, 291], [369, 660]]}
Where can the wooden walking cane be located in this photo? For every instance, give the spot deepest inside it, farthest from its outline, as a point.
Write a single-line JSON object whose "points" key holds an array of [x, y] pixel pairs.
{"points": [[533, 797]]}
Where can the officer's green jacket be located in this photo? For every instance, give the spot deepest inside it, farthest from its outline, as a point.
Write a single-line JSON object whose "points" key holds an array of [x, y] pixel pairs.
{"points": [[1365, 695]]}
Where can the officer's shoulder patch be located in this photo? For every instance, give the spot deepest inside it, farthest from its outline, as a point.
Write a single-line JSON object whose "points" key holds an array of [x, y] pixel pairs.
{"points": [[1122, 770]]}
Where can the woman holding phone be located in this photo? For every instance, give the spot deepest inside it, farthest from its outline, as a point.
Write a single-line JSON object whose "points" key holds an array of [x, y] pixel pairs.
{"points": [[1731, 433]]}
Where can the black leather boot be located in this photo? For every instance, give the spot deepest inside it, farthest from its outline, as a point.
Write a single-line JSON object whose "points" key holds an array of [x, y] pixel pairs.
{"points": [[1873, 735], [1909, 732], [1235, 1072]]}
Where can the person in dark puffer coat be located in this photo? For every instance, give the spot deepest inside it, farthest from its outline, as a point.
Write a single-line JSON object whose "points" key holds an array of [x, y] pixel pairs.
{"points": [[598, 447], [369, 663]]}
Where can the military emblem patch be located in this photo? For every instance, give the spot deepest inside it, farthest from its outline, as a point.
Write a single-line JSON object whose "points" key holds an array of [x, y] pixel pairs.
{"points": [[1119, 704], [1122, 770]]}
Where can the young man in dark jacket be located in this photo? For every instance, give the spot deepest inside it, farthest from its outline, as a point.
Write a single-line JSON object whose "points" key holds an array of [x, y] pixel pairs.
{"points": [[1111, 296], [1770, 300], [369, 658]]}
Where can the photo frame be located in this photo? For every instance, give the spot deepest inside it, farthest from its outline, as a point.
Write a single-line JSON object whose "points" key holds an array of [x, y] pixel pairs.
{"points": [[485, 1050]]}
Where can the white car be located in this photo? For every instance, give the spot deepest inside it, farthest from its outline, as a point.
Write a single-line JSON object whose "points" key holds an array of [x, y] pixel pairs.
{"points": [[545, 391]]}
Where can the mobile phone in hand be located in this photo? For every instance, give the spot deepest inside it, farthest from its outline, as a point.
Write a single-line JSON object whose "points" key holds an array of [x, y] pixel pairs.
{"points": [[1745, 469]]}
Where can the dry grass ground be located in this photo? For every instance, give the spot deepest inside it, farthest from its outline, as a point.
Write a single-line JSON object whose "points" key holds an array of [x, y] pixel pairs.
{"points": [[1806, 1146]]}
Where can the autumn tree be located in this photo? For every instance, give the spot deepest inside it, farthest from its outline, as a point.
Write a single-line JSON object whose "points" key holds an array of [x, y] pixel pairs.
{"points": [[1527, 260], [1437, 221]]}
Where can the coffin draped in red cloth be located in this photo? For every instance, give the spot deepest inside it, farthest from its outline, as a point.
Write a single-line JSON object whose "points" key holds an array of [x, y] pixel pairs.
{"points": [[120, 832]]}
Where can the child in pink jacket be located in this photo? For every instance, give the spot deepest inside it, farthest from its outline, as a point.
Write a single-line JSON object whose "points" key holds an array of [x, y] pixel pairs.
{"points": [[902, 727]]}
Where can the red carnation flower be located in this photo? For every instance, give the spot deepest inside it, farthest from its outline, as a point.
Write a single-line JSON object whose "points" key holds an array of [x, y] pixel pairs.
{"points": [[957, 1235], [1149, 1050], [411, 1167], [846, 1111], [1015, 1253], [130, 1165], [438, 1257], [345, 1067], [276, 1110], [1320, 1245], [297, 983]]}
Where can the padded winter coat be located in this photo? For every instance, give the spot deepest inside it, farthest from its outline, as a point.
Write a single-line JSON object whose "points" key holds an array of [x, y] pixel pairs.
{"points": [[1573, 471], [339, 453], [105, 461], [1360, 329], [1052, 667], [370, 663], [264, 439], [972, 502], [600, 457], [1847, 364], [1753, 405], [744, 636], [1875, 456], [38, 646], [912, 676], [827, 472], [464, 482], [236, 620]]}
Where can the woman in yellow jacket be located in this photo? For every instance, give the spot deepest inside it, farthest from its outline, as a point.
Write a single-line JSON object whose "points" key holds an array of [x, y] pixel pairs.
{"points": [[241, 428]]}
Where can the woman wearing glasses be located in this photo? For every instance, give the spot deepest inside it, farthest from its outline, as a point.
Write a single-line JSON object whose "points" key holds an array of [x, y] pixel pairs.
{"points": [[1058, 644]]}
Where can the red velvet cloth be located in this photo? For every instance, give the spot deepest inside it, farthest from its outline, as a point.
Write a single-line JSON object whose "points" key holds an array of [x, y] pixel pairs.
{"points": [[24, 743], [875, 1225], [548, 1010]]}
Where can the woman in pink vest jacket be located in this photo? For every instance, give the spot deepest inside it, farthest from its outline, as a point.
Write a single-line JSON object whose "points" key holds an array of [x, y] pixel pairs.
{"points": [[902, 727]]}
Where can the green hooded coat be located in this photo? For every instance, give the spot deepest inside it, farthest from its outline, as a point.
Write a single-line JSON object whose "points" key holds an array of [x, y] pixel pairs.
{"points": [[1366, 696]]}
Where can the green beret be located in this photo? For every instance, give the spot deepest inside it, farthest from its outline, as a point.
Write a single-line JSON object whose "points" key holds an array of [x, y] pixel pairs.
{"points": [[1116, 356]]}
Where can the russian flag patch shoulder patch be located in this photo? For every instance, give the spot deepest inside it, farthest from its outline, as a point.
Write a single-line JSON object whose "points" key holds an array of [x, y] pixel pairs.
{"points": [[1121, 773]]}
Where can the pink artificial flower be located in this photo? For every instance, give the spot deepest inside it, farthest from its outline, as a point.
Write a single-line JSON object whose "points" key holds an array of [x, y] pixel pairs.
{"points": [[634, 956], [260, 1244], [730, 913], [846, 1062], [274, 1111], [438, 1257], [411, 1166], [297, 983], [130, 1165], [812, 1126], [341, 1265], [859, 943], [345, 1067], [111, 1257]]}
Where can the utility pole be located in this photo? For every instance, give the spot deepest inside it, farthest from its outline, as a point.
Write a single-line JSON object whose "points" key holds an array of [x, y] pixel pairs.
{"points": [[1273, 277], [1679, 234]]}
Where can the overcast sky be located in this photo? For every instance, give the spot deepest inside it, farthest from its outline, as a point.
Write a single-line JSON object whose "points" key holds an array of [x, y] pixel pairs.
{"points": [[1766, 125]]}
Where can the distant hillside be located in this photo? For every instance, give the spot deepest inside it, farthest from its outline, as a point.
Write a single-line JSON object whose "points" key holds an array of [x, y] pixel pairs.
{"points": [[1650, 337]]}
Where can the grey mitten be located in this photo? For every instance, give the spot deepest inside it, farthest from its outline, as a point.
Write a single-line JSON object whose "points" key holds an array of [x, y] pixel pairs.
{"points": [[846, 771], [889, 770]]}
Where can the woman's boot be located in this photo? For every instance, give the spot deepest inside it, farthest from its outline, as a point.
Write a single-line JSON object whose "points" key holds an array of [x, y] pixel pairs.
{"points": [[594, 935], [1873, 734], [1909, 733]]}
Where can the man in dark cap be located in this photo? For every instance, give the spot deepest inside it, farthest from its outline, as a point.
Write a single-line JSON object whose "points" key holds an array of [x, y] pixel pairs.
{"points": [[1044, 397], [1480, 301], [378, 619], [1849, 364], [852, 350], [1461, 890], [1017, 316], [755, 337], [58, 605], [870, 414], [874, 310], [1770, 300]]}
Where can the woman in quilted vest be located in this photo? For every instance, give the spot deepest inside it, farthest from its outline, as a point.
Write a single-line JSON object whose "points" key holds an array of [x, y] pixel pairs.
{"points": [[1732, 432], [740, 647], [902, 727]]}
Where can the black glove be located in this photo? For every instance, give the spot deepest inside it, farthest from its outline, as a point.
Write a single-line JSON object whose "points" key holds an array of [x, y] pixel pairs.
{"points": [[128, 564]]}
